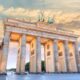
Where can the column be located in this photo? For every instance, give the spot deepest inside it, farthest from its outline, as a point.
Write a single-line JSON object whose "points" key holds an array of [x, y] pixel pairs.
{"points": [[0, 57], [61, 57], [55, 49], [76, 53], [49, 59], [66, 55], [5, 52], [77, 56], [18, 62], [72, 58], [35, 55], [38, 54], [21, 55]]}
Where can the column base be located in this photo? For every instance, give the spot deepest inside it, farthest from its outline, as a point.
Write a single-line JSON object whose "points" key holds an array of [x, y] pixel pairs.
{"points": [[61, 72], [21, 73], [3, 73], [35, 72]]}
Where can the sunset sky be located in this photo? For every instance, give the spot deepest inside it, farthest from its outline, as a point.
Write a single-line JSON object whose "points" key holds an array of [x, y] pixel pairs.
{"points": [[63, 11]]}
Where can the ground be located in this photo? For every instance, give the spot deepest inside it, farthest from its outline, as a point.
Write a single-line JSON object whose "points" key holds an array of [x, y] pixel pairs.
{"points": [[70, 76]]}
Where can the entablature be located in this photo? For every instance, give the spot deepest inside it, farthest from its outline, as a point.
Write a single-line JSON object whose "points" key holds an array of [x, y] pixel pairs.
{"points": [[37, 29]]}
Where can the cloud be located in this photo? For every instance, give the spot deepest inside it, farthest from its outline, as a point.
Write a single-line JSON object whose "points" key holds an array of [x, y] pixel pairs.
{"points": [[1, 8], [64, 5], [14, 11], [67, 17], [20, 12], [59, 16]]}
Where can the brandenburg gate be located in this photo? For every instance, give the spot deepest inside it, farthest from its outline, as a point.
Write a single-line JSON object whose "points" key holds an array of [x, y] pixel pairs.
{"points": [[60, 48]]}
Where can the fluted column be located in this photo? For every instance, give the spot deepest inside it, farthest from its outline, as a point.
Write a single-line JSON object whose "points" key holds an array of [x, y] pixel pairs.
{"points": [[49, 56], [1, 51], [21, 55], [38, 54], [35, 55], [55, 48], [66, 56], [76, 55], [5, 52], [18, 61]]}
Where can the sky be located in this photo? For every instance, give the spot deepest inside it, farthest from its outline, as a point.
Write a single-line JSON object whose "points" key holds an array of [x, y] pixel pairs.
{"points": [[62, 11], [66, 5]]}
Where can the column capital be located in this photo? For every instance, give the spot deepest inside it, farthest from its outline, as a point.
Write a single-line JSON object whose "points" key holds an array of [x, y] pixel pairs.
{"points": [[38, 39], [66, 42], [23, 40], [55, 40]]}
